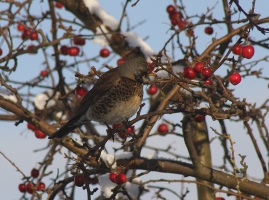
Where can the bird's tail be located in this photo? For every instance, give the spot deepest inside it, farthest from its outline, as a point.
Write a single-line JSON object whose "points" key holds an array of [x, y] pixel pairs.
{"points": [[63, 131]]}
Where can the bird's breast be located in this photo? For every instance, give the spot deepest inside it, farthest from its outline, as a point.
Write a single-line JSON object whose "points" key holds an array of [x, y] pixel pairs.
{"points": [[118, 104]]}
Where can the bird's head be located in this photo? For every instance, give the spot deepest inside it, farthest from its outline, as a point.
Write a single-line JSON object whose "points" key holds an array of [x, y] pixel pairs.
{"points": [[135, 69]]}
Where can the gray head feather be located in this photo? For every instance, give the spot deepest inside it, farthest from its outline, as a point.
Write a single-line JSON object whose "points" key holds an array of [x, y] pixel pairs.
{"points": [[134, 69]]}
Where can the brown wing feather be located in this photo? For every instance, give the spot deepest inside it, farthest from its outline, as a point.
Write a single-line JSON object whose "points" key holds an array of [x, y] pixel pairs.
{"points": [[104, 84]]}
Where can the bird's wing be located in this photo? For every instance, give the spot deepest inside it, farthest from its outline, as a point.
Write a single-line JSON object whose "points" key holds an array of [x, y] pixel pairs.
{"points": [[104, 84]]}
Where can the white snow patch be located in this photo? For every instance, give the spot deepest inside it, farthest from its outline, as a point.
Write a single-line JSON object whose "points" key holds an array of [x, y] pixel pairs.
{"points": [[132, 189], [11, 98], [108, 159], [152, 156], [60, 115], [106, 185], [124, 155], [99, 37], [135, 41], [95, 8], [40, 101]]}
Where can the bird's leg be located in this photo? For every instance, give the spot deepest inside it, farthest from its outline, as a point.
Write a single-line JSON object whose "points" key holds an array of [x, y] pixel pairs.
{"points": [[109, 131]]}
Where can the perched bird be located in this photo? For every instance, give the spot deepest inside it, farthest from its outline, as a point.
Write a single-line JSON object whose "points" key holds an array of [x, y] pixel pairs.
{"points": [[115, 97]]}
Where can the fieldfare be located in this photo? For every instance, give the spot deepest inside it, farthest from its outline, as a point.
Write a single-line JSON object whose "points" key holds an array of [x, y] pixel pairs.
{"points": [[115, 97]]}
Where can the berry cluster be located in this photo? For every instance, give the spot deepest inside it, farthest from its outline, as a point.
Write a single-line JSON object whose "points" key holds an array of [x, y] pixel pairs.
{"points": [[39, 134], [123, 134], [117, 178], [30, 187], [246, 51]]}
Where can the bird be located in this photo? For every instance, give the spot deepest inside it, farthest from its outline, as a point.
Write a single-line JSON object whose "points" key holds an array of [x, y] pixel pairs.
{"points": [[115, 97]]}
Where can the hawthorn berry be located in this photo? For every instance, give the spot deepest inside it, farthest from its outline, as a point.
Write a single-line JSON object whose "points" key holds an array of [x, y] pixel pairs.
{"points": [[33, 35], [79, 41], [209, 30], [1, 52], [35, 173], [219, 198], [30, 187], [208, 82], [182, 24], [32, 49], [41, 186], [120, 179], [79, 180], [120, 61], [25, 34], [206, 72], [112, 176], [104, 52], [93, 180], [170, 9], [44, 73], [189, 73], [39, 134], [235, 78], [20, 27], [198, 67], [199, 118], [22, 187], [73, 51], [64, 50], [81, 91], [163, 129], [153, 89], [59, 5], [31, 127], [237, 49], [247, 51]]}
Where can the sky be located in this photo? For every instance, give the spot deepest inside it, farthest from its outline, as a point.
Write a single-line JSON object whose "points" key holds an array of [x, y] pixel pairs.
{"points": [[18, 143]]}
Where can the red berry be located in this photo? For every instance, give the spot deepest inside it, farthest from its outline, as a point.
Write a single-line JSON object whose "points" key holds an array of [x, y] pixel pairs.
{"points": [[73, 51], [39, 134], [199, 118], [31, 127], [93, 180], [120, 179], [20, 27], [181, 24], [32, 49], [58, 5], [30, 187], [235, 78], [153, 89], [198, 67], [209, 30], [206, 72], [112, 176], [219, 198], [208, 82], [35, 173], [189, 73], [33, 35], [79, 180], [176, 16], [64, 50], [237, 49], [120, 61], [79, 41], [163, 129], [1, 52], [41, 186], [25, 34], [116, 126], [174, 22], [81, 91], [22, 187], [44, 73], [170, 9], [247, 51], [104, 52]]}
